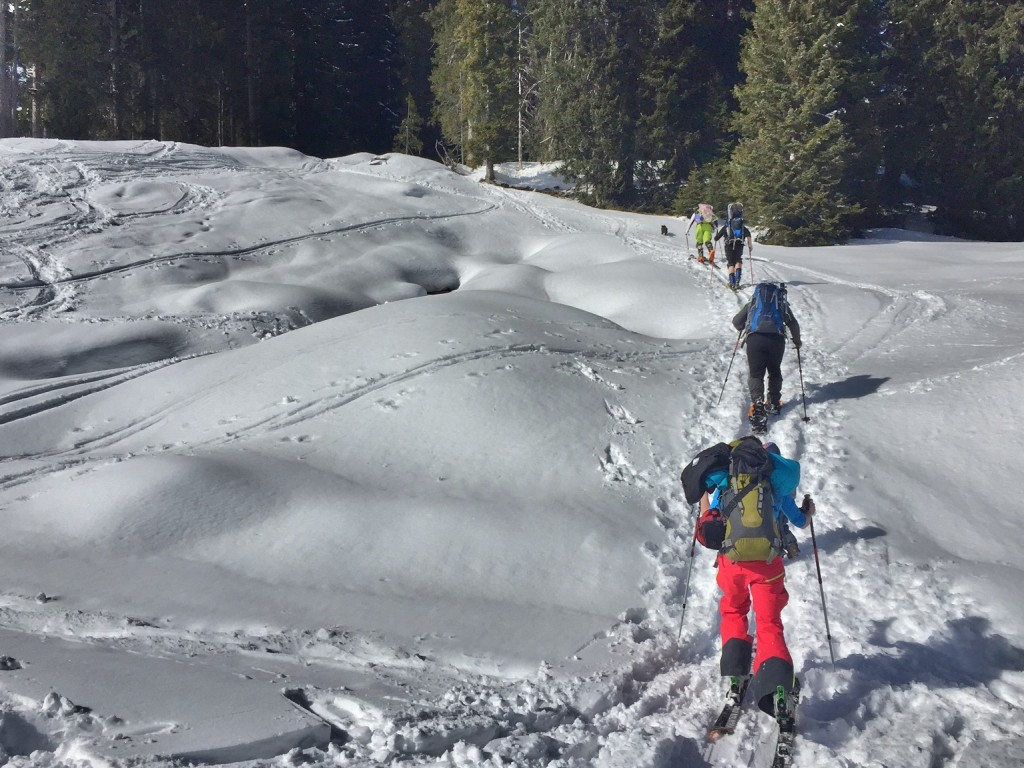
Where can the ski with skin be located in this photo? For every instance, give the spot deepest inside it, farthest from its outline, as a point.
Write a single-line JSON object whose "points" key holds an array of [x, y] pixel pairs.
{"points": [[785, 716], [784, 743], [726, 721]]}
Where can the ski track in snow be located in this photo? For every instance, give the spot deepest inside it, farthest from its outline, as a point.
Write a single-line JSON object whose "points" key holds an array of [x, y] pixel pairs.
{"points": [[655, 708], [41, 183]]}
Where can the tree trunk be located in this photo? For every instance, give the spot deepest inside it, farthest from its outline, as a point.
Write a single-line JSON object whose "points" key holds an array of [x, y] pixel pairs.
{"points": [[8, 71], [148, 93], [116, 110], [33, 89], [519, 108], [5, 128], [251, 75]]}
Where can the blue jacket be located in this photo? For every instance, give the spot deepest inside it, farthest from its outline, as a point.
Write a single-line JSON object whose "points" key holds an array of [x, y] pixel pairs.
{"points": [[785, 478]]}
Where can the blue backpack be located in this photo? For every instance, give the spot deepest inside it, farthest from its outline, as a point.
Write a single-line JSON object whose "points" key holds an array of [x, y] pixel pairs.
{"points": [[768, 306], [734, 223]]}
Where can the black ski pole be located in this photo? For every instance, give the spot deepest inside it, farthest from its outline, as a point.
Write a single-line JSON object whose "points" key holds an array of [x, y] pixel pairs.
{"points": [[740, 336], [821, 585], [803, 394], [689, 572]]}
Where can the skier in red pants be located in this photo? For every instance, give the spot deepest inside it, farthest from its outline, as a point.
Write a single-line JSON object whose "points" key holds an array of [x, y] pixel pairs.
{"points": [[750, 566], [763, 586]]}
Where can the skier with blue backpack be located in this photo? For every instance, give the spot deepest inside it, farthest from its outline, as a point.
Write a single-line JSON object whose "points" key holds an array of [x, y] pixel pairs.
{"points": [[735, 232], [765, 319]]}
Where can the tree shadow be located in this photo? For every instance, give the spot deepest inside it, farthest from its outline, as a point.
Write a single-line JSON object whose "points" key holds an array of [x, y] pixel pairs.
{"points": [[969, 655], [853, 388], [966, 655], [685, 753]]}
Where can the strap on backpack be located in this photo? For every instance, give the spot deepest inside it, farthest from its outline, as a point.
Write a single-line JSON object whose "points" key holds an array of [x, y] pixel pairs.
{"points": [[738, 498]]}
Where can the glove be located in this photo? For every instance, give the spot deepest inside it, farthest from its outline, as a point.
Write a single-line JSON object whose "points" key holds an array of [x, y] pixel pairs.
{"points": [[808, 506], [796, 342]]}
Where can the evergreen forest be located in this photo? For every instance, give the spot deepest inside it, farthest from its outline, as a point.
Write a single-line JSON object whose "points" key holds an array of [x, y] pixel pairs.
{"points": [[823, 116]]}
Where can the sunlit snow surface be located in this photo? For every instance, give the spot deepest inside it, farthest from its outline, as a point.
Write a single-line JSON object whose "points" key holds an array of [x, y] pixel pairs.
{"points": [[359, 461]]}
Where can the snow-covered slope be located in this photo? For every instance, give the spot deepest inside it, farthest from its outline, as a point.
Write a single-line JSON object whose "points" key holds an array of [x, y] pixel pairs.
{"points": [[362, 462]]}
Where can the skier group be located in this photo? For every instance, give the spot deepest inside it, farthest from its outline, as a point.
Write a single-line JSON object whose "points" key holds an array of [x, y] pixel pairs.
{"points": [[763, 321], [745, 491], [704, 223]]}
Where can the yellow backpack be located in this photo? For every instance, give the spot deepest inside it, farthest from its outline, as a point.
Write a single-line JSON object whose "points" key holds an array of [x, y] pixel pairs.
{"points": [[748, 505]]}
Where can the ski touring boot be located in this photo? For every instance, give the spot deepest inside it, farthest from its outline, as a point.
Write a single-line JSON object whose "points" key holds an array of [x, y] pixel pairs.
{"points": [[737, 687], [758, 417]]}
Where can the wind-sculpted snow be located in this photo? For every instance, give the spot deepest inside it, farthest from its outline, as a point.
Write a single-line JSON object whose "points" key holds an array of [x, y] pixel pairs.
{"points": [[363, 462]]}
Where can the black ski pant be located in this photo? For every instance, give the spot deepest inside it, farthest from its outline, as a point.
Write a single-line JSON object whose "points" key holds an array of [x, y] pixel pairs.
{"points": [[734, 253], [764, 355]]}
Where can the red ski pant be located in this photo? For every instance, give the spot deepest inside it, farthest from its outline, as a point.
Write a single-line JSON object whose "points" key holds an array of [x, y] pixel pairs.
{"points": [[764, 585]]}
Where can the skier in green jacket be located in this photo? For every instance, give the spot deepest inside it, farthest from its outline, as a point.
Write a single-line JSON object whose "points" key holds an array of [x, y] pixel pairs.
{"points": [[703, 223]]}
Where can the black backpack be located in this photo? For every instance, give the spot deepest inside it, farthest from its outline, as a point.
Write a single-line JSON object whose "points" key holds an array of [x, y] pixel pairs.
{"points": [[710, 459]]}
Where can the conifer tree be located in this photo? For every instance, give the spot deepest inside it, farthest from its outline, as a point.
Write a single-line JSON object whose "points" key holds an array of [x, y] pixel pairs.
{"points": [[956, 110], [9, 67], [413, 60], [590, 56], [689, 77], [804, 145], [474, 78], [407, 140], [66, 49], [346, 85]]}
